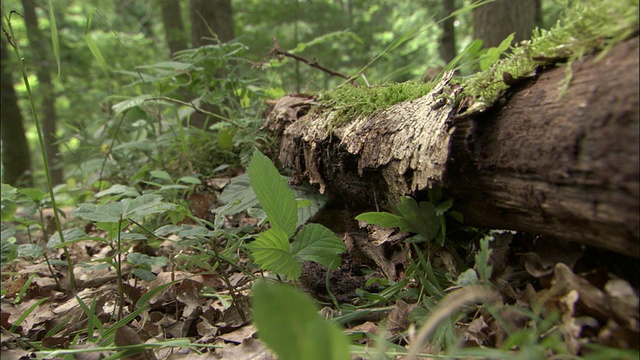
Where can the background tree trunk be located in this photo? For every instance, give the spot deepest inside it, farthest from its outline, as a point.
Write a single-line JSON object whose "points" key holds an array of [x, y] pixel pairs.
{"points": [[564, 167], [43, 64], [173, 27], [447, 47], [15, 149], [211, 18], [494, 21]]}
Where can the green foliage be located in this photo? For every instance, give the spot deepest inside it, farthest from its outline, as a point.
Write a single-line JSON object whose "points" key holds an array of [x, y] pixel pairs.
{"points": [[424, 219], [585, 27], [289, 323], [271, 250]]}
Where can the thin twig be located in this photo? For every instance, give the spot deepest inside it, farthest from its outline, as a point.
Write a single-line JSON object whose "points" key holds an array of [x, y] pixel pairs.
{"points": [[279, 53]]}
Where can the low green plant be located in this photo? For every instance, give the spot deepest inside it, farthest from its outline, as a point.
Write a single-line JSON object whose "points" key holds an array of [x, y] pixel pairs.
{"points": [[289, 323], [271, 249]]}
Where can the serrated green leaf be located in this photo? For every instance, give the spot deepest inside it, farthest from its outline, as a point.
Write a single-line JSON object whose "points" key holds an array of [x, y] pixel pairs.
{"points": [[319, 244], [289, 323], [384, 219], [275, 196], [271, 251]]}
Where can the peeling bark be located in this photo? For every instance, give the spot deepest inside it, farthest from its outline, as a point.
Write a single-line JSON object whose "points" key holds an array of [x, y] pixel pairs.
{"points": [[564, 167]]}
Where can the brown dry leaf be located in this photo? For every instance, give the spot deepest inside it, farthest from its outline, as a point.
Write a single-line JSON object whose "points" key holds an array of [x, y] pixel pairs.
{"points": [[623, 302], [250, 349], [398, 319], [590, 298], [570, 329], [474, 333], [168, 294], [238, 336], [127, 336]]}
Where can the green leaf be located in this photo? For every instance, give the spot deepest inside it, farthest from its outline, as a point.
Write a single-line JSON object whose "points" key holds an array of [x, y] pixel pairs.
{"points": [[275, 196], [421, 217], [69, 235], [95, 50], [319, 244], [384, 219], [190, 180], [145, 205], [238, 196], [444, 206], [271, 251], [160, 174], [130, 103], [117, 189], [34, 194], [289, 323], [110, 213]]}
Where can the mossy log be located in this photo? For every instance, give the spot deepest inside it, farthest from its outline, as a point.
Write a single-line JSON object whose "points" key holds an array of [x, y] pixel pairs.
{"points": [[564, 166]]}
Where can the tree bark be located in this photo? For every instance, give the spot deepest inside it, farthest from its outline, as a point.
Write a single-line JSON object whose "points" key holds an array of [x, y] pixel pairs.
{"points": [[211, 18], [173, 27], [15, 149], [494, 21], [43, 65], [447, 47], [564, 167]]}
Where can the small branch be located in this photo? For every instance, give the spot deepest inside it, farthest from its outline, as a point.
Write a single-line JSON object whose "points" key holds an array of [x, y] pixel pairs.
{"points": [[197, 109], [278, 53]]}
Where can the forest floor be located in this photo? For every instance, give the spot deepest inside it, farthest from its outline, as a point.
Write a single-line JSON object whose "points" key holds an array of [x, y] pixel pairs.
{"points": [[571, 298]]}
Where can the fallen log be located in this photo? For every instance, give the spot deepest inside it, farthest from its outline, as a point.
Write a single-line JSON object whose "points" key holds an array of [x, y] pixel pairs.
{"points": [[561, 166]]}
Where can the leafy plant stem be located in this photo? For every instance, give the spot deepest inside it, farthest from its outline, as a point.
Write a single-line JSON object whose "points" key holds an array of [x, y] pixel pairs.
{"points": [[119, 270], [197, 109], [113, 142], [231, 288], [47, 171]]}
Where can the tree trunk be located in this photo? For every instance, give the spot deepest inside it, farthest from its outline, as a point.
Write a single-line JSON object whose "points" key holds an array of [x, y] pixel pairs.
{"points": [[448, 38], [15, 149], [211, 18], [173, 27], [565, 167], [43, 65], [494, 21]]}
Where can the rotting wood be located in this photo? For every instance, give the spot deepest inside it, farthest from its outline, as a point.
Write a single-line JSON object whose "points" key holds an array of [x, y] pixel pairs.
{"points": [[565, 167]]}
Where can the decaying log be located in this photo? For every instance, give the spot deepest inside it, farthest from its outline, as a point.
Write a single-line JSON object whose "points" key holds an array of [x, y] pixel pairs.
{"points": [[562, 166]]}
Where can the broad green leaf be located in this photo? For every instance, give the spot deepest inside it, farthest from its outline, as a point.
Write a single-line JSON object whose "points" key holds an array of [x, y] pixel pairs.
{"points": [[8, 192], [444, 206], [34, 194], [110, 213], [385, 219], [160, 174], [319, 244], [130, 103], [145, 205], [310, 196], [118, 189], [144, 259], [55, 41], [69, 235], [421, 217], [271, 251], [275, 196], [289, 323], [238, 196], [190, 180]]}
